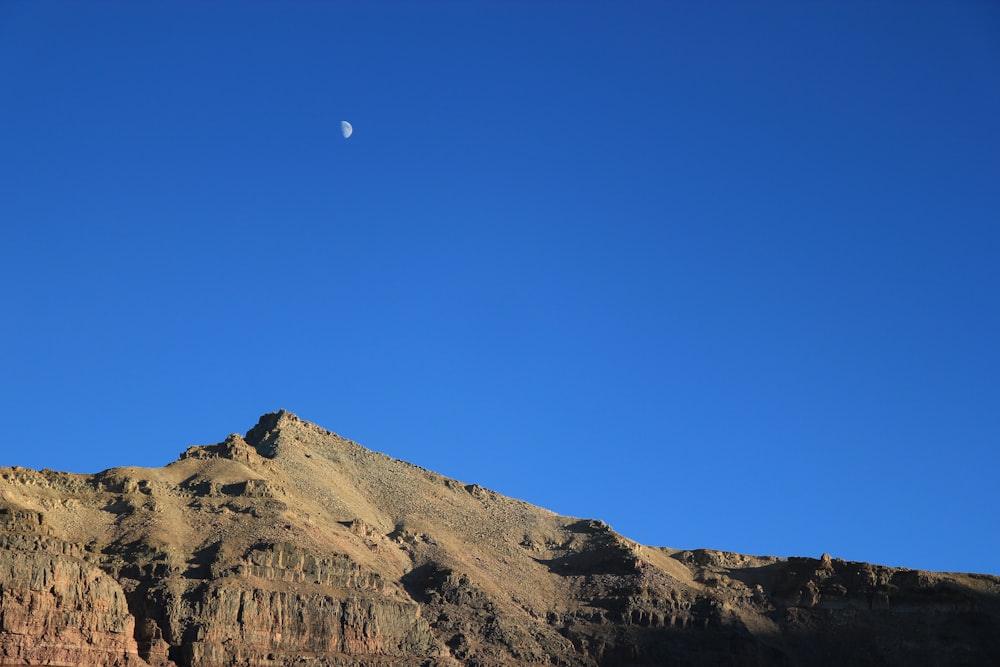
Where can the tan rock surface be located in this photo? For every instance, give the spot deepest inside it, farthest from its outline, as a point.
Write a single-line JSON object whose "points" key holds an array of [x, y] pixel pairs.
{"points": [[293, 546]]}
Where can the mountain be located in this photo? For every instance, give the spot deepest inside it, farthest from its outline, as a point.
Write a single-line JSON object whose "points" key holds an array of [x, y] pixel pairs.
{"points": [[293, 546]]}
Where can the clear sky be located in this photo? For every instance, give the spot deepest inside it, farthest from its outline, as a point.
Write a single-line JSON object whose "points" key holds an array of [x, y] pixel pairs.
{"points": [[722, 274]]}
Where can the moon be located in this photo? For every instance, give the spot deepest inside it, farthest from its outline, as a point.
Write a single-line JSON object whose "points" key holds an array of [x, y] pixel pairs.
{"points": [[346, 129]]}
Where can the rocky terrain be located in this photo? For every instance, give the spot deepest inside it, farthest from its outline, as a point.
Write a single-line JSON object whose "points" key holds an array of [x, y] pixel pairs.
{"points": [[293, 546]]}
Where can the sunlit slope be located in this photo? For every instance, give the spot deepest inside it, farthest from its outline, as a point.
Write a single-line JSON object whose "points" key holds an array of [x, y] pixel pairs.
{"points": [[293, 544]]}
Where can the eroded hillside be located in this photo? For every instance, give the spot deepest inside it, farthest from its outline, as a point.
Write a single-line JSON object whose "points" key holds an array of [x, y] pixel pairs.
{"points": [[293, 546]]}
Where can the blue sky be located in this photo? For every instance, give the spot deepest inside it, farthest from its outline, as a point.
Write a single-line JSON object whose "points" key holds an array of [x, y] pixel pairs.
{"points": [[721, 274]]}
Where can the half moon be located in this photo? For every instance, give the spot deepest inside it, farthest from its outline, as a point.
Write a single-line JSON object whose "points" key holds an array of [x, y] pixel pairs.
{"points": [[346, 129]]}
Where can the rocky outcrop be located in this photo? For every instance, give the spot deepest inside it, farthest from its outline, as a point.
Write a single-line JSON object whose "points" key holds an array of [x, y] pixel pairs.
{"points": [[273, 606], [280, 603], [55, 608], [259, 626], [293, 546]]}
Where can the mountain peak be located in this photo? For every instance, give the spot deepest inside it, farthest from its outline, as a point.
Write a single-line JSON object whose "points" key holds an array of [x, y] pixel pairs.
{"points": [[271, 421], [265, 434]]}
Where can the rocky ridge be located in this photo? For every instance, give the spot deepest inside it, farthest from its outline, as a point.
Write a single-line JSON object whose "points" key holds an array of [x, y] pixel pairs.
{"points": [[293, 546]]}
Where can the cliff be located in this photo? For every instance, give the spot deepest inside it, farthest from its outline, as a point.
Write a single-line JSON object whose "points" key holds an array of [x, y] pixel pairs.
{"points": [[293, 546]]}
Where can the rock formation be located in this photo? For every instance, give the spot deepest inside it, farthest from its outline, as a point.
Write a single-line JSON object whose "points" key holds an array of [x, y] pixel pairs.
{"points": [[294, 546]]}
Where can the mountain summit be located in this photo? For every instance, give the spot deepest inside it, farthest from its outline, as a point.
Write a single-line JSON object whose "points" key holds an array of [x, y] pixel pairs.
{"points": [[291, 545]]}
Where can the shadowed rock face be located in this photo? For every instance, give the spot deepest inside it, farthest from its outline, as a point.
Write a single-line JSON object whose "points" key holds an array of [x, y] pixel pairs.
{"points": [[293, 546]]}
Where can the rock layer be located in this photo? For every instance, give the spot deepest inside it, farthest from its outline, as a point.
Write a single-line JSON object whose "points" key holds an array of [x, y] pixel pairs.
{"points": [[293, 546], [54, 607]]}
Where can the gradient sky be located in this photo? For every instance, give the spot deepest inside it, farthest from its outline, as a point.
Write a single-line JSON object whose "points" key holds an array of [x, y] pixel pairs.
{"points": [[722, 274]]}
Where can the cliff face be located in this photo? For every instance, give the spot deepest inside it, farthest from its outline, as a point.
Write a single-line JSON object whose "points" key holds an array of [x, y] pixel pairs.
{"points": [[55, 608], [293, 546]]}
